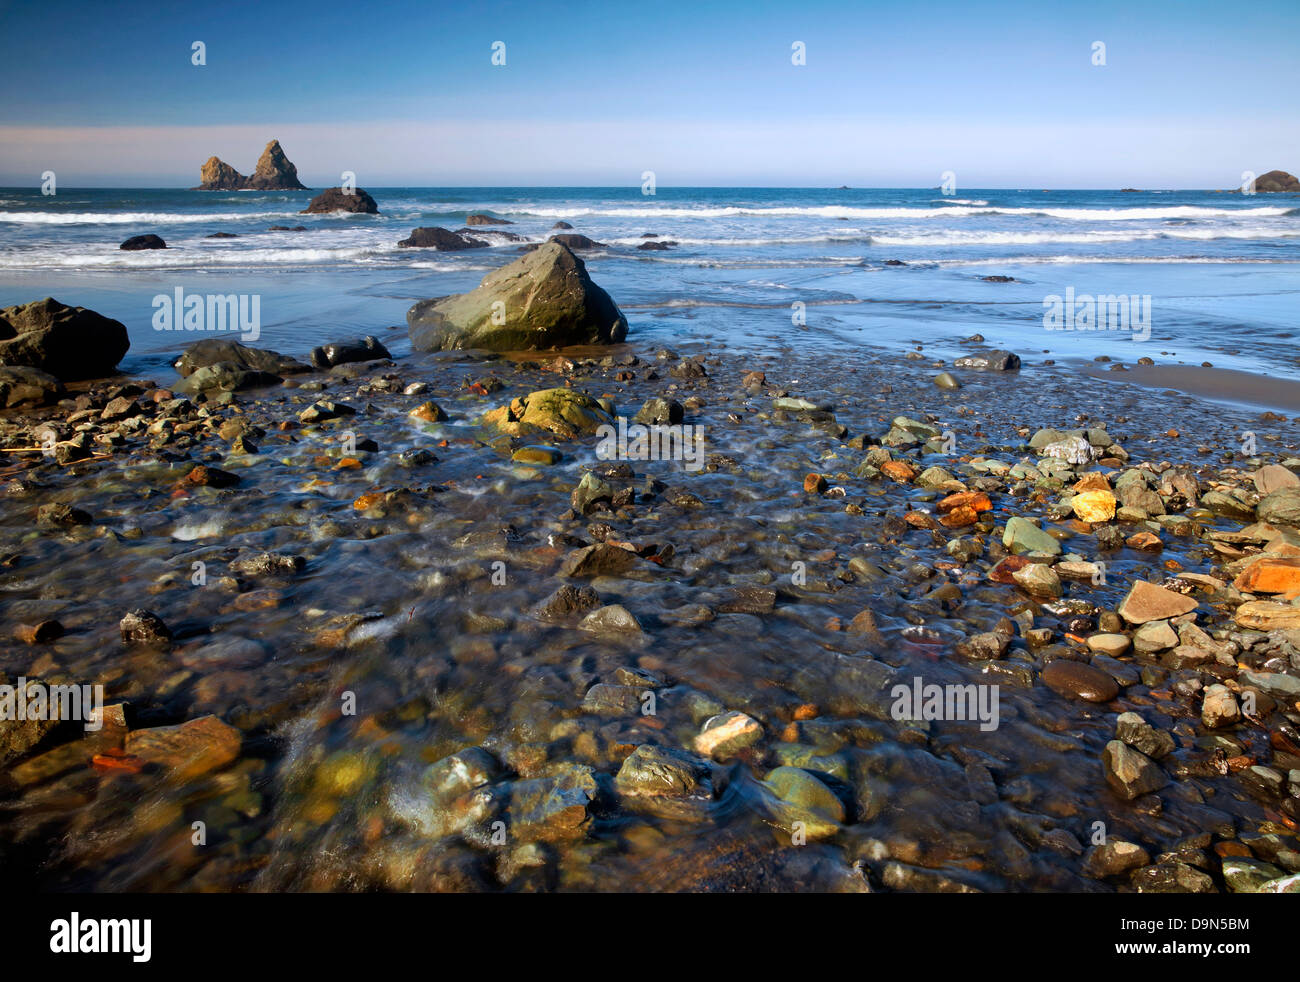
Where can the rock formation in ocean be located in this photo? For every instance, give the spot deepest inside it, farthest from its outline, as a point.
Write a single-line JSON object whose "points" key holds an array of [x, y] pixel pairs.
{"points": [[1277, 181], [336, 199], [543, 299], [274, 172], [440, 239]]}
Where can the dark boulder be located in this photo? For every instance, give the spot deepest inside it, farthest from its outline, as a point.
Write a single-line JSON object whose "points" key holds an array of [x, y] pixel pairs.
{"points": [[138, 242], [479, 219], [336, 199], [69, 343], [222, 235], [657, 246], [441, 239], [561, 225], [577, 242], [221, 364], [343, 352], [20, 386]]}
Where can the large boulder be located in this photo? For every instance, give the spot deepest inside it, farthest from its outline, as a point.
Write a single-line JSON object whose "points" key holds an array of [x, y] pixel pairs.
{"points": [[336, 199], [274, 172], [440, 239], [224, 365], [69, 343], [1277, 181], [21, 386], [210, 351], [576, 241], [481, 219], [543, 299]]}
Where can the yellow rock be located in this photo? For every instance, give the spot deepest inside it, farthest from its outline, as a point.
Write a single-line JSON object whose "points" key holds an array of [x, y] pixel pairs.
{"points": [[1094, 506]]}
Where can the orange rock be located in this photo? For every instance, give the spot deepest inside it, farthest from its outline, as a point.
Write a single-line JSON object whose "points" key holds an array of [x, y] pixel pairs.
{"points": [[976, 501], [188, 749], [116, 760], [1225, 849], [1092, 481], [368, 500], [920, 520], [898, 470], [806, 711], [348, 464], [1270, 575], [1147, 541], [814, 484], [1094, 506], [960, 517]]}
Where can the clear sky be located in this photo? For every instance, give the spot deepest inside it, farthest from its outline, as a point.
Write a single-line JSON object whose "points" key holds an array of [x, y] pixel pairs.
{"points": [[703, 93]]}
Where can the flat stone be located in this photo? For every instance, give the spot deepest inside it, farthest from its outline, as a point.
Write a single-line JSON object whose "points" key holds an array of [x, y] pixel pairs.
{"points": [[1148, 602], [188, 749]]}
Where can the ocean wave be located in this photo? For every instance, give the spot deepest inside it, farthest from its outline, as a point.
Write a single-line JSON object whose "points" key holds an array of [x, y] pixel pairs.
{"points": [[135, 217], [965, 238], [845, 211]]}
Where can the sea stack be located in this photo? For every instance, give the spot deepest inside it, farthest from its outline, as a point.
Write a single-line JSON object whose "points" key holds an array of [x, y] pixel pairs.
{"points": [[274, 172], [1277, 181]]}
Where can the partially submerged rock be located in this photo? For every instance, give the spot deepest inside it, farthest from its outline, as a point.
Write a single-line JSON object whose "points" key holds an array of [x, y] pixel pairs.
{"points": [[353, 200], [345, 352], [136, 243], [441, 239], [543, 299], [564, 412]]}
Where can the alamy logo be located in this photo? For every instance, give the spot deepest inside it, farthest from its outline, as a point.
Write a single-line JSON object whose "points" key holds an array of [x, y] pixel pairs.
{"points": [[133, 936], [945, 702], [679, 441], [1105, 312], [54, 703], [179, 311]]}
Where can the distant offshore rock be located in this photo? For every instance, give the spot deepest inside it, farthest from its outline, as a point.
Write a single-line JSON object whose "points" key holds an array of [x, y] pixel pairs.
{"points": [[274, 172], [547, 299], [1277, 181], [356, 201], [480, 219]]}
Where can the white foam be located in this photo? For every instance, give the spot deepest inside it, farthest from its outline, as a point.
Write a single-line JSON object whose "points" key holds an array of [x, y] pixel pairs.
{"points": [[133, 217]]}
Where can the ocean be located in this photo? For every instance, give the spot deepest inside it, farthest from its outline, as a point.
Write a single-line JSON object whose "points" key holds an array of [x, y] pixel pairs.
{"points": [[749, 267]]}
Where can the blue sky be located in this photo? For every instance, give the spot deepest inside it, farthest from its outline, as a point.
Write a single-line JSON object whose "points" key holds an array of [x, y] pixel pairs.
{"points": [[892, 94]]}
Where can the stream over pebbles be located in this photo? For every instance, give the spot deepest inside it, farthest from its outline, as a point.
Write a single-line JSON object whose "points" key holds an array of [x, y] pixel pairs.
{"points": [[431, 618]]}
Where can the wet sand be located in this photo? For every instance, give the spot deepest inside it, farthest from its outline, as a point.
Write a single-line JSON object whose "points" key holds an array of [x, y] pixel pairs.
{"points": [[1219, 384]]}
